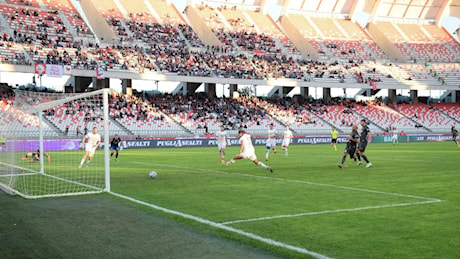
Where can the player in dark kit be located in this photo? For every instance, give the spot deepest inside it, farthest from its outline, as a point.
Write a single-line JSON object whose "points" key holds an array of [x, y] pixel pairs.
{"points": [[364, 139], [351, 145], [35, 156], [115, 146], [454, 135]]}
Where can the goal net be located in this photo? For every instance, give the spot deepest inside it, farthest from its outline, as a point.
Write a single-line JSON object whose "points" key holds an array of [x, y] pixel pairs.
{"points": [[40, 143]]}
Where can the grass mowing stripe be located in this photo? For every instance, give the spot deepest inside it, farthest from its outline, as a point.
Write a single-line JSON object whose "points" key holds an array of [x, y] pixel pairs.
{"points": [[224, 227], [225, 194], [296, 181]]}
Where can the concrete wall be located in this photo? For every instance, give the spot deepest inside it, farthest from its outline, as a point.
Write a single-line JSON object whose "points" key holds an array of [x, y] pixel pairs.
{"points": [[102, 30], [297, 38], [387, 46], [200, 27]]}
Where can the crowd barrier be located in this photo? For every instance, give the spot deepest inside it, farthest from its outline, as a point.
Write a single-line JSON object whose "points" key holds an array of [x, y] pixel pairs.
{"points": [[75, 144]]}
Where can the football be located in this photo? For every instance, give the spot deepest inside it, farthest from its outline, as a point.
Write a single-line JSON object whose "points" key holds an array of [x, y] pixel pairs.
{"points": [[153, 174]]}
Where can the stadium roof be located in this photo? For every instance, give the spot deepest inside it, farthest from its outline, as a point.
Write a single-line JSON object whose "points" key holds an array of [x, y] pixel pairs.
{"points": [[414, 9], [378, 9], [321, 6]]}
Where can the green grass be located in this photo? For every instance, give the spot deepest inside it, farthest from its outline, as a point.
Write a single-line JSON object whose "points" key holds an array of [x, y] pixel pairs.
{"points": [[405, 206]]}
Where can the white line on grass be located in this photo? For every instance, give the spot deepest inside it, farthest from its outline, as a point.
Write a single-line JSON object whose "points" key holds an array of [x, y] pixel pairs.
{"points": [[224, 227], [296, 181], [326, 212]]}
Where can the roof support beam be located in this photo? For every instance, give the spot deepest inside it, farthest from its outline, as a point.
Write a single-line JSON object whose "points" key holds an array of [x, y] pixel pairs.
{"points": [[442, 11], [375, 10]]}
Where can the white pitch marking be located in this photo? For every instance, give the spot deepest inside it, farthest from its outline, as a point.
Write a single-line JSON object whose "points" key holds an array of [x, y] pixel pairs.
{"points": [[267, 240], [224, 227], [327, 212], [297, 181]]}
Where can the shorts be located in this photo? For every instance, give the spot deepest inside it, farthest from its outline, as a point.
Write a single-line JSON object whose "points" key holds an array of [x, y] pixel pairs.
{"points": [[248, 155], [362, 147], [286, 142], [221, 146], [114, 148], [334, 140], [350, 149], [91, 150], [271, 143]]}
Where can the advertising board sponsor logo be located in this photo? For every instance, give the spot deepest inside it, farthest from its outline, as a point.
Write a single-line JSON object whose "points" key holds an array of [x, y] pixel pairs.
{"points": [[137, 144], [179, 143], [318, 140]]}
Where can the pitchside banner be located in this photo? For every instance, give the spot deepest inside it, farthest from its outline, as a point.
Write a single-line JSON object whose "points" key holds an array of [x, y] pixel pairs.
{"points": [[75, 144], [213, 142], [48, 145]]}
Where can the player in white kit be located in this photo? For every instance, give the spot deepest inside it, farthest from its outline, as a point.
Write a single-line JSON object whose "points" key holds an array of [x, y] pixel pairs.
{"points": [[222, 141], [94, 140], [395, 137], [286, 140], [271, 140], [247, 151]]}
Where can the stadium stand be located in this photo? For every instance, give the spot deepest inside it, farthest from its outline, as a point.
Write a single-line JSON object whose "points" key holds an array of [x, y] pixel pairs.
{"points": [[450, 109], [385, 118], [142, 118], [21, 124], [153, 36], [427, 116]]}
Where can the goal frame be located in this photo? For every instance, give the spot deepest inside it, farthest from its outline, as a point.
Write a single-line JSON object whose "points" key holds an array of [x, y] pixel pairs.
{"points": [[38, 110]]}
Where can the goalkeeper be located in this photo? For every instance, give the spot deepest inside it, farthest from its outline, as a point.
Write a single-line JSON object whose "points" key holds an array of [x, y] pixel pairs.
{"points": [[35, 156]]}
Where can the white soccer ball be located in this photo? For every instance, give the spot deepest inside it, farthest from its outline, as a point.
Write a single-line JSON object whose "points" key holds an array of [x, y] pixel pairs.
{"points": [[153, 174]]}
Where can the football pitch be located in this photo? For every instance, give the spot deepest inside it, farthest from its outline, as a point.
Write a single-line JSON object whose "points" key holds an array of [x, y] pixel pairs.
{"points": [[405, 206]]}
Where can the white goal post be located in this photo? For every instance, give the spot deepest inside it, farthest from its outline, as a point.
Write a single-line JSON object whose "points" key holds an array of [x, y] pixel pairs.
{"points": [[40, 148]]}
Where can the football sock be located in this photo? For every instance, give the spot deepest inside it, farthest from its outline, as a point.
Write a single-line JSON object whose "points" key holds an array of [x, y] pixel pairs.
{"points": [[365, 158], [266, 154], [230, 162], [116, 156], [82, 161], [358, 156], [335, 148], [286, 151], [261, 164], [343, 159]]}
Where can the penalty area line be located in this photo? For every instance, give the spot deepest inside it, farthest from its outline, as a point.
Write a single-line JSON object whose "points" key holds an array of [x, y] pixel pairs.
{"points": [[327, 212], [224, 227], [297, 181], [425, 199]]}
